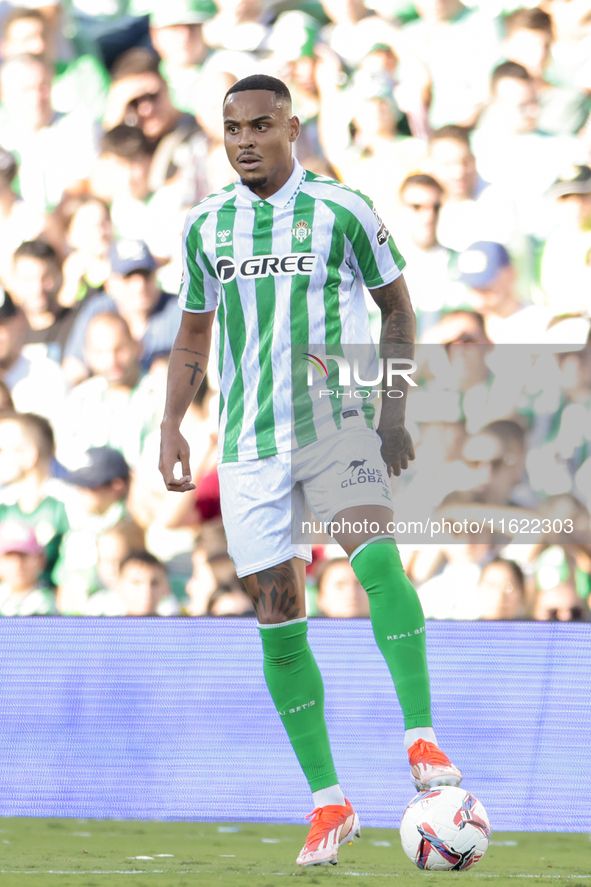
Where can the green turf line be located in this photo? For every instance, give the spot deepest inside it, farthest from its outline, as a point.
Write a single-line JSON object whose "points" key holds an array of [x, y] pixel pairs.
{"points": [[97, 853]]}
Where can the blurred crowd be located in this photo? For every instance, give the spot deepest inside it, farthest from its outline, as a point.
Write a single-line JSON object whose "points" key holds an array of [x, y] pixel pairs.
{"points": [[469, 126]]}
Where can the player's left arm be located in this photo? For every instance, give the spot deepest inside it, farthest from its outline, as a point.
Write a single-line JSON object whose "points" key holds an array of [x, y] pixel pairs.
{"points": [[399, 332]]}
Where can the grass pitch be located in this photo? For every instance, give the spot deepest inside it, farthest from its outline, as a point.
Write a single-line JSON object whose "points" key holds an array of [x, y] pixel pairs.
{"points": [[111, 853]]}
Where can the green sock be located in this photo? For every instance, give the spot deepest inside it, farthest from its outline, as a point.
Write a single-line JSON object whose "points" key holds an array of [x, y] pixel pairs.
{"points": [[398, 626], [295, 684]]}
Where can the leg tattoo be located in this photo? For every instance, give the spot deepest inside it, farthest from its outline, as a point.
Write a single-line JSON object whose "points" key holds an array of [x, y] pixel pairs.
{"points": [[274, 593]]}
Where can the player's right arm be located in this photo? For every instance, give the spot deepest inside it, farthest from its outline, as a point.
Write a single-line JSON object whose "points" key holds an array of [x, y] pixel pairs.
{"points": [[186, 369]]}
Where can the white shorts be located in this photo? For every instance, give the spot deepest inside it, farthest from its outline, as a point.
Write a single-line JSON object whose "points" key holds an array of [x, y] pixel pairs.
{"points": [[265, 501]]}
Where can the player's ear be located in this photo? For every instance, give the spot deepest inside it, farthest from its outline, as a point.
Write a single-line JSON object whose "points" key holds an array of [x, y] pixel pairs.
{"points": [[294, 128]]}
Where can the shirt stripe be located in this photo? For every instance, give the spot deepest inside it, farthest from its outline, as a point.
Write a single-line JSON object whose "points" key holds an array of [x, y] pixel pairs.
{"points": [[241, 253]]}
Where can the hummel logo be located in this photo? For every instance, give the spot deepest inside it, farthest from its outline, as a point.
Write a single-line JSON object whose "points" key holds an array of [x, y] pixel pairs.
{"points": [[223, 239]]}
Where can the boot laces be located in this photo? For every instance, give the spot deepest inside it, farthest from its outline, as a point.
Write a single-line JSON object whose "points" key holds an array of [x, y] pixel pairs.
{"points": [[423, 752], [323, 820]]}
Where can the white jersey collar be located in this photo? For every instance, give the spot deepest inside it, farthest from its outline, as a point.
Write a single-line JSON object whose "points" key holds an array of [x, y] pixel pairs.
{"points": [[284, 195]]}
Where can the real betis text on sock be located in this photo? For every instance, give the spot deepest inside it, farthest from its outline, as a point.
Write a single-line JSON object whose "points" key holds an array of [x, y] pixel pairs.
{"points": [[398, 625]]}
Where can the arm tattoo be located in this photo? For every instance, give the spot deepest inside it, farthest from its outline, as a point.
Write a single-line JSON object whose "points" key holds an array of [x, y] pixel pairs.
{"points": [[398, 319], [398, 327], [196, 369], [200, 353], [275, 595]]}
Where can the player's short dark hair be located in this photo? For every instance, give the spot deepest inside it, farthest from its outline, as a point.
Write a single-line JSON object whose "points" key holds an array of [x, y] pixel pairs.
{"points": [[37, 249], [508, 71], [506, 431], [36, 429], [125, 141], [534, 19], [260, 81], [19, 14], [136, 60], [141, 556], [452, 132], [422, 179]]}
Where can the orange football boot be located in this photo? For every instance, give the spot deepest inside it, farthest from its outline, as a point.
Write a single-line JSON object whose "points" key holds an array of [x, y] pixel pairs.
{"points": [[332, 826], [430, 767]]}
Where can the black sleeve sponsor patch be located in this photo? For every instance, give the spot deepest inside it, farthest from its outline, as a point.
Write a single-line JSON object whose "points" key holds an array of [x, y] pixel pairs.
{"points": [[383, 235]]}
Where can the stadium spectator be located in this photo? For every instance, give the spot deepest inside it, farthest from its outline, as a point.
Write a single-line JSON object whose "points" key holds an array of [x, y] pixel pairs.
{"points": [[113, 546], [88, 236], [293, 59], [201, 584], [176, 31], [376, 159], [57, 151], [36, 383], [340, 594], [36, 281], [22, 562], [230, 600], [240, 27], [459, 47], [27, 494], [502, 590], [96, 501], [214, 171], [569, 245], [570, 52], [6, 404], [561, 436], [112, 408], [485, 389], [352, 31], [496, 456], [428, 263], [560, 603], [453, 593], [120, 178], [153, 316], [18, 220], [528, 41], [512, 152], [139, 96], [142, 589], [171, 522], [211, 568], [486, 269], [79, 79], [471, 209]]}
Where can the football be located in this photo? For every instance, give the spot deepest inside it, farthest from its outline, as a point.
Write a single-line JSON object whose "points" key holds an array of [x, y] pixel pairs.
{"points": [[446, 829]]}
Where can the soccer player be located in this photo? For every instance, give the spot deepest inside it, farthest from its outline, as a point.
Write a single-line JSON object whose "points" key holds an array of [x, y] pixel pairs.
{"points": [[275, 288]]}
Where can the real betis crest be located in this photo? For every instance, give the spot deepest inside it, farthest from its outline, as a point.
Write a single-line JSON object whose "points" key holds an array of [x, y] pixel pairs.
{"points": [[301, 230]]}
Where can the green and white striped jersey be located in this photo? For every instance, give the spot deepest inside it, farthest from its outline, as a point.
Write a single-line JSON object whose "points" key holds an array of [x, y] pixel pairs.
{"points": [[285, 272]]}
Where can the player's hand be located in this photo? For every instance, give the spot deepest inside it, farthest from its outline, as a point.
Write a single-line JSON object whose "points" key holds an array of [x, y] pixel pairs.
{"points": [[397, 448], [173, 449]]}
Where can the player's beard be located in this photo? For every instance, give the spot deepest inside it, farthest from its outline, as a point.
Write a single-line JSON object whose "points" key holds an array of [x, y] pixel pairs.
{"points": [[255, 182]]}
